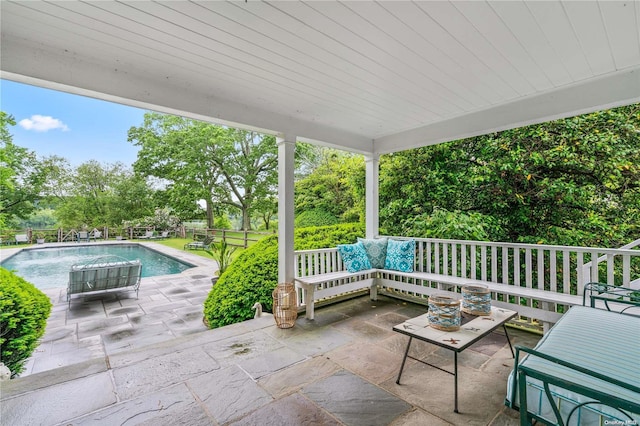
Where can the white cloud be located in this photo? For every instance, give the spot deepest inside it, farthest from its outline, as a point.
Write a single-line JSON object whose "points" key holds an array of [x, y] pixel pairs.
{"points": [[42, 123]]}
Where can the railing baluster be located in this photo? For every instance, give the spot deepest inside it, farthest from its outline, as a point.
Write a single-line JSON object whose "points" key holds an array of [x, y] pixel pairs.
{"points": [[566, 271], [595, 275], [463, 261], [445, 259], [527, 265], [494, 263], [473, 261], [553, 279], [516, 266], [454, 260], [483, 260], [505, 265], [581, 278], [540, 263], [626, 270]]}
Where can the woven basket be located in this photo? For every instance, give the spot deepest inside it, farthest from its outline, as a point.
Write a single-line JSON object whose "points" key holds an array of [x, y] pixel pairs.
{"points": [[476, 300], [444, 313], [285, 308]]}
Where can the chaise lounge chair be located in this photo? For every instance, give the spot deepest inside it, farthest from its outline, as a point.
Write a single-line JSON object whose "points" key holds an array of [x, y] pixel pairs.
{"points": [[199, 245], [147, 235], [162, 236], [21, 239]]}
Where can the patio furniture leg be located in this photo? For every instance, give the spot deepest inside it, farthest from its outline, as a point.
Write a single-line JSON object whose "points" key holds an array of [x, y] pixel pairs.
{"points": [[404, 359], [308, 300], [455, 381], [508, 340], [373, 293]]}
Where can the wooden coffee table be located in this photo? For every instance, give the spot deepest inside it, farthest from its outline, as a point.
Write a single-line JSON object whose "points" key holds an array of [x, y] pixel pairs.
{"points": [[455, 341]]}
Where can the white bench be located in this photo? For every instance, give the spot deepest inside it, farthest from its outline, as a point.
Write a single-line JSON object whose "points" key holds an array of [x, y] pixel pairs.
{"points": [[320, 286], [538, 281]]}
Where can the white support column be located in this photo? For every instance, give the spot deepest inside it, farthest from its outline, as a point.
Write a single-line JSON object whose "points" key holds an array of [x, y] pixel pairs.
{"points": [[286, 166], [372, 202]]}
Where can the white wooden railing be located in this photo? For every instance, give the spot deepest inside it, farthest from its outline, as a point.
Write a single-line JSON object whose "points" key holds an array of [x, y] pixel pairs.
{"points": [[558, 269], [635, 284]]}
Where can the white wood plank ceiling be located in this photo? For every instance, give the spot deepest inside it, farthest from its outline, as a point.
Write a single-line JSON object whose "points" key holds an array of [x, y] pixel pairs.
{"points": [[365, 76]]}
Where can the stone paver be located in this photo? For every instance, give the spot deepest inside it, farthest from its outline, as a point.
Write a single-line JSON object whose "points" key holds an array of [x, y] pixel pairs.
{"points": [[128, 361], [57, 403], [294, 410], [170, 406], [229, 393], [162, 371], [355, 401], [292, 379]]}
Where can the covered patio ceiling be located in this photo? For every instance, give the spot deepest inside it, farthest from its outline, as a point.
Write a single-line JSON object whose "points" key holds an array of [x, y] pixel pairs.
{"points": [[369, 77]]}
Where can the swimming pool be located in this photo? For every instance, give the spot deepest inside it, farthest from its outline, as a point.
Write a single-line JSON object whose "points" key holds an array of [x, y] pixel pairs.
{"points": [[49, 267]]}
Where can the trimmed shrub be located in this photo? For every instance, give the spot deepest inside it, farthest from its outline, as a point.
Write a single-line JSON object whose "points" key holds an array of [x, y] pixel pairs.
{"points": [[316, 217], [253, 275], [23, 317], [318, 237]]}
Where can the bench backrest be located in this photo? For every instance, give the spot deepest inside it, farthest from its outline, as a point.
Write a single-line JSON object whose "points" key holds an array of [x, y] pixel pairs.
{"points": [[104, 276], [21, 238]]}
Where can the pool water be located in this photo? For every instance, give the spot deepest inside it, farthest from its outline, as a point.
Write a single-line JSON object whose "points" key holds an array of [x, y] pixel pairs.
{"points": [[49, 267]]}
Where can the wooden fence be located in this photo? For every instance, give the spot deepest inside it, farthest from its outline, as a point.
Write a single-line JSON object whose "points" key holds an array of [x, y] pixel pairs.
{"points": [[234, 238]]}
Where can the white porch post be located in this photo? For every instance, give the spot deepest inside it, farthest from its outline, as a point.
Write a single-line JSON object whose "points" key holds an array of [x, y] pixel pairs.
{"points": [[372, 202], [286, 166]]}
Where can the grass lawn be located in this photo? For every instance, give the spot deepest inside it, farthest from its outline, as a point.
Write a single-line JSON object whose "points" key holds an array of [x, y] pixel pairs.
{"points": [[178, 243]]}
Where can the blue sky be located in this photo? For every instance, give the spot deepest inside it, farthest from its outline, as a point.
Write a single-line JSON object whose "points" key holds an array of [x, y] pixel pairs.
{"points": [[74, 127]]}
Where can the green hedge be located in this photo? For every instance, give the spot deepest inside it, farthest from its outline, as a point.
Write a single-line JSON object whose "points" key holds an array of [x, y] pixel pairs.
{"points": [[253, 275], [316, 217], [23, 317]]}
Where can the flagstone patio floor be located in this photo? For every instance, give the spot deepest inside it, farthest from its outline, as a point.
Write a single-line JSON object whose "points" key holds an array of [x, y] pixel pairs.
{"points": [[118, 360]]}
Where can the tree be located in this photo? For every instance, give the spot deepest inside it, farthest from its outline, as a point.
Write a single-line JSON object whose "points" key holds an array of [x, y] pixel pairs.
{"points": [[98, 194], [175, 150], [225, 167], [248, 164], [335, 188], [21, 175], [574, 181]]}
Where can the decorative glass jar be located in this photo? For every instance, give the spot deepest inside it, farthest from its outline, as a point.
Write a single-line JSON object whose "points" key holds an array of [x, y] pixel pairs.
{"points": [[444, 313]]}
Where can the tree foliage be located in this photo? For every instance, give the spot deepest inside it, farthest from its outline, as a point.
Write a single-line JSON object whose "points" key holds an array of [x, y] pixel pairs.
{"points": [[335, 189], [570, 181], [228, 168], [95, 194], [22, 175]]}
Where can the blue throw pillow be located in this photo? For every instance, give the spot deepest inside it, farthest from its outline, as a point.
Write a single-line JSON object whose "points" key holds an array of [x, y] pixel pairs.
{"points": [[354, 257], [376, 251], [400, 255]]}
